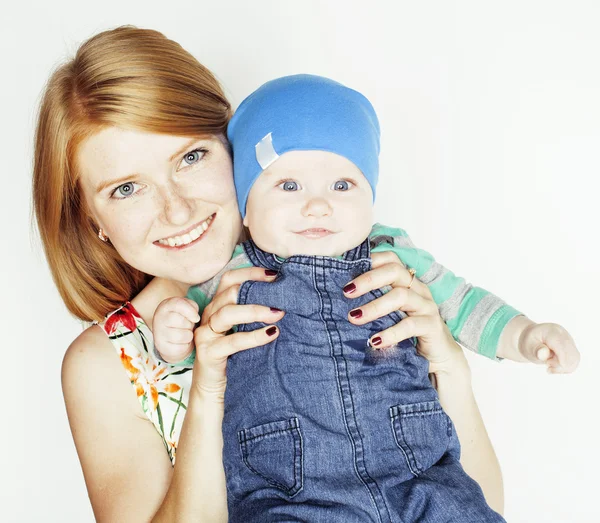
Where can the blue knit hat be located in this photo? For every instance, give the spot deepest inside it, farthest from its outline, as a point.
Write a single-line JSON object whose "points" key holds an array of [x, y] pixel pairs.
{"points": [[299, 113]]}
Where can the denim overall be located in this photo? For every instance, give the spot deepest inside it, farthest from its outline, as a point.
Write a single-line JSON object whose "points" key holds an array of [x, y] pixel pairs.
{"points": [[320, 427]]}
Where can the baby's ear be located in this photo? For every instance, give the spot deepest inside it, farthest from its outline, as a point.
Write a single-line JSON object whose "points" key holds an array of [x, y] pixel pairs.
{"points": [[245, 221]]}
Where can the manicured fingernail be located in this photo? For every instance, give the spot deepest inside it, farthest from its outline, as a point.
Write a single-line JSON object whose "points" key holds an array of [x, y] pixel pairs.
{"points": [[356, 313], [271, 331], [273, 309], [270, 272], [350, 288], [376, 341]]}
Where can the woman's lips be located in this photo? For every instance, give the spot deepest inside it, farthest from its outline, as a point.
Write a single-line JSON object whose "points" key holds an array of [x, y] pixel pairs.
{"points": [[187, 240]]}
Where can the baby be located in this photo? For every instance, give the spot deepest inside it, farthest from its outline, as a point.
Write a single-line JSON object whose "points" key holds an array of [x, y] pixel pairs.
{"points": [[318, 425]]}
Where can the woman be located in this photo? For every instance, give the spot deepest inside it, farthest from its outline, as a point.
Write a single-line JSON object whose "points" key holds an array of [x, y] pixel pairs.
{"points": [[130, 152]]}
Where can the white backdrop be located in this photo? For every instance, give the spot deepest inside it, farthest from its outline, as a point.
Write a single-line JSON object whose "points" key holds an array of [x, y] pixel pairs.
{"points": [[490, 114]]}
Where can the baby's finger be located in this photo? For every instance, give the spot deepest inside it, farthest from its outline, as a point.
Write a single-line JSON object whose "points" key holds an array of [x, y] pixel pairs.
{"points": [[176, 320], [229, 315], [399, 298], [553, 365], [179, 336], [562, 367], [568, 356], [543, 353], [189, 309], [557, 369]]}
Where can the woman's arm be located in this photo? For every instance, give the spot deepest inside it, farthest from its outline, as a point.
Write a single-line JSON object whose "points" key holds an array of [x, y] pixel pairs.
{"points": [[126, 468], [197, 487], [447, 362], [128, 474], [452, 379]]}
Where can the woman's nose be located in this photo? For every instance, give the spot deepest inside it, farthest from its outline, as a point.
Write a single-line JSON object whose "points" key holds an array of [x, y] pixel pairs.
{"points": [[176, 208], [317, 206]]}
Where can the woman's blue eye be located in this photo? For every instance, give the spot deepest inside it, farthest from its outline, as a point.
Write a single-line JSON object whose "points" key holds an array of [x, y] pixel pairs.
{"points": [[124, 191], [289, 186], [341, 185], [194, 156]]}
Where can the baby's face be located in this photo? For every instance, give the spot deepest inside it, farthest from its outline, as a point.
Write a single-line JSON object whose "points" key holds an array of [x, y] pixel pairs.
{"points": [[310, 202]]}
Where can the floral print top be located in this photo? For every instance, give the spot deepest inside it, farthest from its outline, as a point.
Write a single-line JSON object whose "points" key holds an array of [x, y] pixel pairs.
{"points": [[162, 389]]}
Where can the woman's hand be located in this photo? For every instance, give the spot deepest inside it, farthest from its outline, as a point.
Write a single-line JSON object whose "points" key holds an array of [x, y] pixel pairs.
{"points": [[213, 343], [424, 321]]}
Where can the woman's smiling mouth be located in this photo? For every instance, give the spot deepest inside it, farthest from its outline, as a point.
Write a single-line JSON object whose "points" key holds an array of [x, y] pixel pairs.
{"points": [[188, 237]]}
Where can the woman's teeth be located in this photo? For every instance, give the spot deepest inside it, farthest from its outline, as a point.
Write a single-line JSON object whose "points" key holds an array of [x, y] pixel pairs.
{"points": [[184, 239]]}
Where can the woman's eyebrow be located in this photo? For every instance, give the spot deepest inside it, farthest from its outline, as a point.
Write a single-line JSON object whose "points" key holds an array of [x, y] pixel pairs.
{"points": [[184, 148]]}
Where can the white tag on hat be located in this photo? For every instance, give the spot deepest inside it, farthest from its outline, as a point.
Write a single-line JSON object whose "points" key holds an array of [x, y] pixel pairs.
{"points": [[265, 152]]}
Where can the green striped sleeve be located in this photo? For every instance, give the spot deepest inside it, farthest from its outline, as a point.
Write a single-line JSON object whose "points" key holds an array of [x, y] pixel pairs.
{"points": [[475, 317]]}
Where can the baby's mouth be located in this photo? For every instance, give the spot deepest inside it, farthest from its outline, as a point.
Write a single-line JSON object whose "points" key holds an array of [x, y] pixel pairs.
{"points": [[315, 233]]}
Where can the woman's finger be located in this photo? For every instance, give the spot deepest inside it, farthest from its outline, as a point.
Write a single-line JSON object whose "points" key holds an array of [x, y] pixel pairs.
{"points": [[387, 271], [213, 350], [244, 341], [405, 329], [399, 298], [229, 286], [226, 317], [409, 327], [218, 350], [239, 276], [227, 296]]}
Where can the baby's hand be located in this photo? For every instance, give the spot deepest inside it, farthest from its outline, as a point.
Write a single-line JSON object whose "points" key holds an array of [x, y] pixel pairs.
{"points": [[551, 344], [173, 328]]}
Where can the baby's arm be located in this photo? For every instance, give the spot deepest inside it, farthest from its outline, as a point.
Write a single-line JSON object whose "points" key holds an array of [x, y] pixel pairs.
{"points": [[549, 343], [478, 319]]}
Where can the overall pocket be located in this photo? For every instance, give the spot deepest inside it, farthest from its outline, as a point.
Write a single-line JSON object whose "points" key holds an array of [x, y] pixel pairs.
{"points": [[273, 451], [422, 432]]}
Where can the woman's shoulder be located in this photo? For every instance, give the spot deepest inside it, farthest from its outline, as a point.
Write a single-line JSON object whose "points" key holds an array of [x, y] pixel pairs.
{"points": [[94, 386], [90, 361], [90, 346]]}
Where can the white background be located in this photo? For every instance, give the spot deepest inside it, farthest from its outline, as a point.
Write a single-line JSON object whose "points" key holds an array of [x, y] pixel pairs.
{"points": [[490, 113]]}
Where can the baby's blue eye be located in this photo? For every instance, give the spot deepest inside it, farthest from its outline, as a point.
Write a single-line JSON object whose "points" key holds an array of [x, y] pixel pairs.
{"points": [[289, 186], [342, 185]]}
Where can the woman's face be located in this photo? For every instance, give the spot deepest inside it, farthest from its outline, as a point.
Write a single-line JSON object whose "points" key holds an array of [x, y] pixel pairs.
{"points": [[167, 203]]}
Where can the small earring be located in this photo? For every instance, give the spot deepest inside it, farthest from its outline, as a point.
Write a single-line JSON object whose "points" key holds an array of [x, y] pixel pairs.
{"points": [[102, 236]]}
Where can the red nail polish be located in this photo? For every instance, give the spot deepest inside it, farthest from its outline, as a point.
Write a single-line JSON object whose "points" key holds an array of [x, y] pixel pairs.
{"points": [[356, 313], [350, 288], [273, 309], [376, 341], [270, 272], [271, 331]]}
